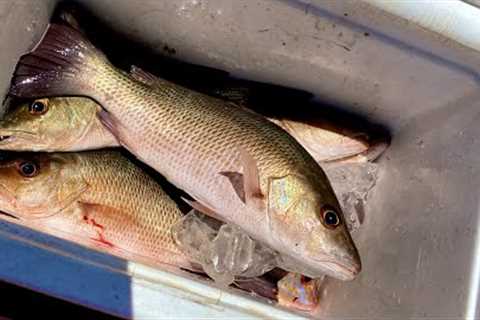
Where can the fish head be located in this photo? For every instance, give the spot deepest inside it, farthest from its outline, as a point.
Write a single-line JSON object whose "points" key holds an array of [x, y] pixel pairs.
{"points": [[310, 226], [48, 124], [38, 185]]}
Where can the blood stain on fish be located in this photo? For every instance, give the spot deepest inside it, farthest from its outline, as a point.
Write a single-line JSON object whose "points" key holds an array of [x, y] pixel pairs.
{"points": [[99, 229]]}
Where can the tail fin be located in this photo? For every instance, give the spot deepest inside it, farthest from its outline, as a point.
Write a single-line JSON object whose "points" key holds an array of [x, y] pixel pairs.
{"points": [[62, 63]]}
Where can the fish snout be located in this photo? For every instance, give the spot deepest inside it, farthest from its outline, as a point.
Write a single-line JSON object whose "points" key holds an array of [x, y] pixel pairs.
{"points": [[17, 140], [345, 271], [345, 266]]}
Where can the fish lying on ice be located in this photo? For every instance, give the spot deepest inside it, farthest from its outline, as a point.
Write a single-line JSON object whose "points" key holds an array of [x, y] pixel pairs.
{"points": [[102, 201]]}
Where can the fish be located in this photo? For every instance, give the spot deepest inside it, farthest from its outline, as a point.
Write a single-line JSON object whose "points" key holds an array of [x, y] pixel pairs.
{"points": [[71, 124], [235, 164], [98, 199]]}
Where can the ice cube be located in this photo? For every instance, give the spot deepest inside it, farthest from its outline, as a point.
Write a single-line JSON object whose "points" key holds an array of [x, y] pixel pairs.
{"points": [[224, 254], [193, 236]]}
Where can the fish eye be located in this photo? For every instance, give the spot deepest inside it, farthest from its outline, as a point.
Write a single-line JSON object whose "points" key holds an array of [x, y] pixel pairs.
{"points": [[28, 169], [330, 217], [38, 107]]}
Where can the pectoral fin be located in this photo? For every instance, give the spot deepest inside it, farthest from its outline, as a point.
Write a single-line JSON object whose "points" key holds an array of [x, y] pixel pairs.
{"points": [[114, 126], [237, 181], [109, 122], [251, 178], [246, 185]]}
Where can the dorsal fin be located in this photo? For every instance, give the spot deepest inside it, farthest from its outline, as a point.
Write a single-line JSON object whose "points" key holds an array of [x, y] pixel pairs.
{"points": [[238, 95], [144, 77]]}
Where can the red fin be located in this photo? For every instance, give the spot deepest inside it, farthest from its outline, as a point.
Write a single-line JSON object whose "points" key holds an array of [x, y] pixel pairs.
{"points": [[143, 76], [54, 67]]}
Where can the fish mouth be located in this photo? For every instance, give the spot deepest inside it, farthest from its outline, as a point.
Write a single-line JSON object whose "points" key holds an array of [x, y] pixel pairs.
{"points": [[9, 215], [5, 138], [9, 136], [341, 271]]}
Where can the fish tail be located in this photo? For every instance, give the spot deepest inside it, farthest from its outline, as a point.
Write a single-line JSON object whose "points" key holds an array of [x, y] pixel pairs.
{"points": [[62, 63]]}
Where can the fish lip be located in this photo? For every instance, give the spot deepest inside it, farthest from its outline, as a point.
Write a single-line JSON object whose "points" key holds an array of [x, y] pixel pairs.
{"points": [[347, 272], [8, 136]]}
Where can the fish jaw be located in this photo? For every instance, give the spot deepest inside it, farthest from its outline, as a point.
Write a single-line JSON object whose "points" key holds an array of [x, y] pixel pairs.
{"points": [[338, 259], [342, 269], [18, 140], [91, 137]]}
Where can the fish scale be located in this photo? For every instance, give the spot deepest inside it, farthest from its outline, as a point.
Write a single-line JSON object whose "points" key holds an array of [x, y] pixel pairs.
{"points": [[151, 212]]}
